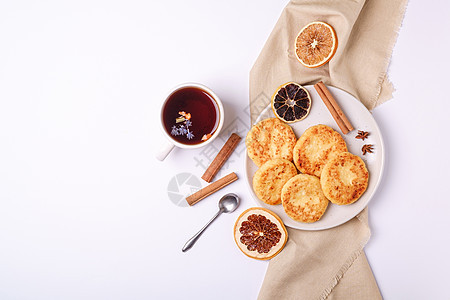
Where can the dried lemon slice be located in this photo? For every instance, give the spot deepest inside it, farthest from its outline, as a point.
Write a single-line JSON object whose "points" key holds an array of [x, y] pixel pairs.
{"points": [[315, 44], [291, 102], [260, 233]]}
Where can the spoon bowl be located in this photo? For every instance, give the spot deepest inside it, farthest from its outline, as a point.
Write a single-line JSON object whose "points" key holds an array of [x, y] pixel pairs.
{"points": [[228, 203]]}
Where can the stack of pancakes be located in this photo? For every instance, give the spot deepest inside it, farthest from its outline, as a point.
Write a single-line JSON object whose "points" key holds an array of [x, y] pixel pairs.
{"points": [[328, 172]]}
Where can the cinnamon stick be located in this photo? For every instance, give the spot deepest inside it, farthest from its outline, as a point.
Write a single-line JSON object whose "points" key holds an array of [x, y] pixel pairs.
{"points": [[337, 113], [212, 188], [221, 157]]}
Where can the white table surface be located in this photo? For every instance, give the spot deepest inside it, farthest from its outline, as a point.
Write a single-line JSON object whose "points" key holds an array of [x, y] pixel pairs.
{"points": [[84, 205]]}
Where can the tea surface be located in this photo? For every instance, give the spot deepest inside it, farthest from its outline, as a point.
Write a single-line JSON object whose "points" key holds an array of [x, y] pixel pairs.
{"points": [[190, 115]]}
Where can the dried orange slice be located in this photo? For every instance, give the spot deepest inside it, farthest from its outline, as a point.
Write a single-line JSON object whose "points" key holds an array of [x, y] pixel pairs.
{"points": [[315, 44], [259, 233], [291, 102]]}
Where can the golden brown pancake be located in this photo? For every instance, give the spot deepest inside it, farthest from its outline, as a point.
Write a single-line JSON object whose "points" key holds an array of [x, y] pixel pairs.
{"points": [[344, 178], [270, 178], [268, 139], [303, 199], [315, 147]]}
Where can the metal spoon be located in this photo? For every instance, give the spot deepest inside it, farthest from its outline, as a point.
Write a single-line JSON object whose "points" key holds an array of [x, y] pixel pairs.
{"points": [[227, 204]]}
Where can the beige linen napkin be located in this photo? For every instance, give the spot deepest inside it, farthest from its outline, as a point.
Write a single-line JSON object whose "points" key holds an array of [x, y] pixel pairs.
{"points": [[328, 264]]}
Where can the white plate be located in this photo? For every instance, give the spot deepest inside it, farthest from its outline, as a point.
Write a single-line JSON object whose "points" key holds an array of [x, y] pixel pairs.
{"points": [[361, 119]]}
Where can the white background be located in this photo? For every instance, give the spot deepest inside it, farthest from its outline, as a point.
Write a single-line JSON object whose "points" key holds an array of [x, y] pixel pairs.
{"points": [[84, 208]]}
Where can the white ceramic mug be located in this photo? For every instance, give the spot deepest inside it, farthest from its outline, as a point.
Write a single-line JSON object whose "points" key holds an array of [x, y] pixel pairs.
{"points": [[171, 142]]}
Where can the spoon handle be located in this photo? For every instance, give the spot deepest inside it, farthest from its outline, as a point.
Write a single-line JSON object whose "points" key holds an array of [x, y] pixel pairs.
{"points": [[194, 239]]}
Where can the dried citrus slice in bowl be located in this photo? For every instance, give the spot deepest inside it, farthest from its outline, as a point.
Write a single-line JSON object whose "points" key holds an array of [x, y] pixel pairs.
{"points": [[260, 233], [315, 44], [291, 102]]}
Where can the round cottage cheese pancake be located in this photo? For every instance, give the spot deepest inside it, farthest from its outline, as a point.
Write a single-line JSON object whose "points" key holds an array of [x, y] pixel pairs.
{"points": [[303, 199], [268, 139], [315, 147], [270, 178], [344, 178]]}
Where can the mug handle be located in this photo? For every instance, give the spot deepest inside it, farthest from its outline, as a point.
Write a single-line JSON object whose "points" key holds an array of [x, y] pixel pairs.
{"points": [[164, 151]]}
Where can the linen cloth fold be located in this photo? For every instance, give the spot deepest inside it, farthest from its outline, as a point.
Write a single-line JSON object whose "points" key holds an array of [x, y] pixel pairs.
{"points": [[328, 264]]}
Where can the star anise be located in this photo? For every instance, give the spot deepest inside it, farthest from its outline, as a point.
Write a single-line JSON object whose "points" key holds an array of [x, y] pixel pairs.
{"points": [[362, 135], [367, 149]]}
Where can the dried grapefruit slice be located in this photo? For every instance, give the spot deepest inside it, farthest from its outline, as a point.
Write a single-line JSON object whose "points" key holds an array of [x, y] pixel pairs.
{"points": [[291, 102], [315, 44], [259, 233]]}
